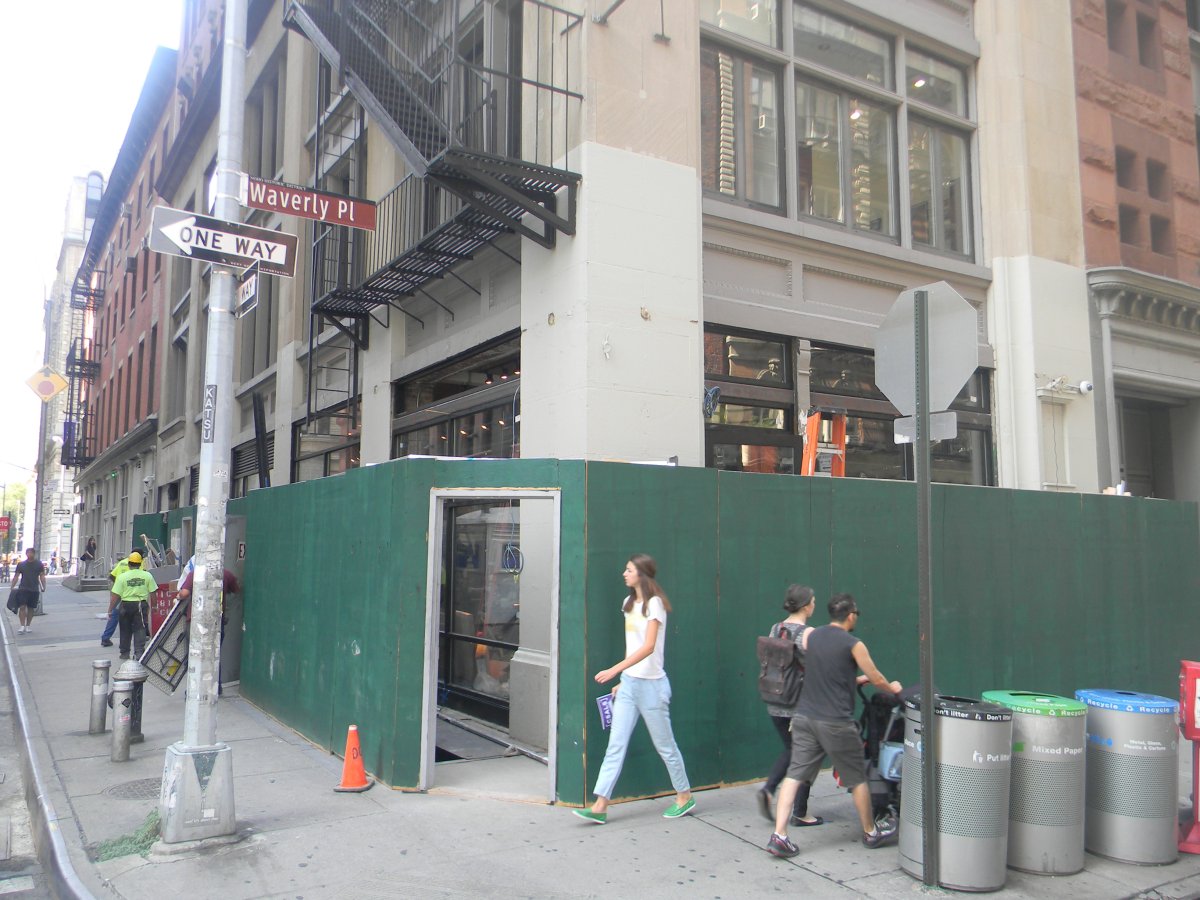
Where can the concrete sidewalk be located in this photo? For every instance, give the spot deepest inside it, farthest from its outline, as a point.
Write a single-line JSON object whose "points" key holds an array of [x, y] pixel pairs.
{"points": [[299, 839]]}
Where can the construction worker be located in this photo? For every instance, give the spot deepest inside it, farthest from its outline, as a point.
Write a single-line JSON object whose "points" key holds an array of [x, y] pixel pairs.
{"points": [[110, 626], [130, 592]]}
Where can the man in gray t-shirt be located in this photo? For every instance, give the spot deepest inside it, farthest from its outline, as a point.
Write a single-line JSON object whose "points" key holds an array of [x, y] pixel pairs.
{"points": [[824, 722]]}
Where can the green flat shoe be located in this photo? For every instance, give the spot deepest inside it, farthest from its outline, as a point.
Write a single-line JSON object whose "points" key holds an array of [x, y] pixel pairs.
{"points": [[588, 816], [675, 810]]}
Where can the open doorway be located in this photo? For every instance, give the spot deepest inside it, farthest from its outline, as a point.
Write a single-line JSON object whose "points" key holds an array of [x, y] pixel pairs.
{"points": [[489, 722]]}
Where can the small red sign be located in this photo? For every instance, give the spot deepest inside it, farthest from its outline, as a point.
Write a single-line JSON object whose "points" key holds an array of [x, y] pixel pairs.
{"points": [[160, 607], [5, 523], [278, 196]]}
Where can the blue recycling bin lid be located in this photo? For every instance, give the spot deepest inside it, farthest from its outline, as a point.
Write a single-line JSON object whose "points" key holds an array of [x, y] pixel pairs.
{"points": [[1128, 701]]}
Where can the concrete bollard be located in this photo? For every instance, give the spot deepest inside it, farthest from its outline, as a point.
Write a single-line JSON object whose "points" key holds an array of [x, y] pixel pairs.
{"points": [[96, 724], [122, 704]]}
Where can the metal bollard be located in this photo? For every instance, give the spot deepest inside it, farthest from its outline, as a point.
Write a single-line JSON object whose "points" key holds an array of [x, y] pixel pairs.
{"points": [[122, 704], [133, 671], [100, 667]]}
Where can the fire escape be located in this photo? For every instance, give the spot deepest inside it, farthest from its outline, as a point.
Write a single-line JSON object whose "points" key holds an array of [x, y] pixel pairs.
{"points": [[83, 367], [476, 97]]}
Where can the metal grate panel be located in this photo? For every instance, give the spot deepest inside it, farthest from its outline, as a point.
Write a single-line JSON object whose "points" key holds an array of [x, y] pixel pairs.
{"points": [[1140, 787], [972, 802], [1045, 792]]}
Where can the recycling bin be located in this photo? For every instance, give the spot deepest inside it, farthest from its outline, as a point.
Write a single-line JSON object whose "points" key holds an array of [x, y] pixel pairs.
{"points": [[1045, 807], [1131, 811], [974, 750]]}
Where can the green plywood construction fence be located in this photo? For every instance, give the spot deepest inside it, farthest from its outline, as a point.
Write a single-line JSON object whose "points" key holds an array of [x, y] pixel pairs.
{"points": [[1033, 591]]}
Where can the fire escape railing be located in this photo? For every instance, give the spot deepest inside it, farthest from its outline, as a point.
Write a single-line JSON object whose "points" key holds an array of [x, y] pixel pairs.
{"points": [[83, 368]]}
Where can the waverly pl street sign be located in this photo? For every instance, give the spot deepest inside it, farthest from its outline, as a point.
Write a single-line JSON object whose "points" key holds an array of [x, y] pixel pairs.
{"points": [[182, 233], [277, 196]]}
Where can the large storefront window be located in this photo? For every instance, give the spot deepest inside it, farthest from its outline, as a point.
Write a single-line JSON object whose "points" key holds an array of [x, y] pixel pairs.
{"points": [[753, 422], [465, 407], [847, 108]]}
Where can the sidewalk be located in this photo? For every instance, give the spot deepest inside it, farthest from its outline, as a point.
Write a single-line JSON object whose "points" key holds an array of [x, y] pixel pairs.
{"points": [[302, 840]]}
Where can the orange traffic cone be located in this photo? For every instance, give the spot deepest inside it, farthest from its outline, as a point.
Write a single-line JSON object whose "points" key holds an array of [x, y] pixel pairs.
{"points": [[354, 779]]}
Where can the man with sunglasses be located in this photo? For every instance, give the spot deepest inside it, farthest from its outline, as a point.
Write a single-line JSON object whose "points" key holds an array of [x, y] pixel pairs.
{"points": [[824, 723]]}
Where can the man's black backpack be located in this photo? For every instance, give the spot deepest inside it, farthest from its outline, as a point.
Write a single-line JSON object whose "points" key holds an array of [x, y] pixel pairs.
{"points": [[780, 671]]}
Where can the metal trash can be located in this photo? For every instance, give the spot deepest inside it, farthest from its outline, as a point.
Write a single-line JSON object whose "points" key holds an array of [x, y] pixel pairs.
{"points": [[973, 765], [1132, 808], [1045, 809]]}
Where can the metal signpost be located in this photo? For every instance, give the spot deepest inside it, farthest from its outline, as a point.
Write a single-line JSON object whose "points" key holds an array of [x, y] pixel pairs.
{"points": [[196, 801], [925, 350]]}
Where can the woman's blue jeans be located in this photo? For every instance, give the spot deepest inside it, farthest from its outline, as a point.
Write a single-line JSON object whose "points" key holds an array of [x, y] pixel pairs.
{"points": [[649, 698]]}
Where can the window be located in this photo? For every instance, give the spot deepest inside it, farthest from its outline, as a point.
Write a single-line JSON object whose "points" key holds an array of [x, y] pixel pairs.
{"points": [[1115, 19], [328, 445], [750, 421], [740, 151], [829, 166], [1147, 41], [1156, 180], [465, 407], [1160, 235], [936, 83], [758, 21], [1129, 224], [937, 171], [1193, 14], [838, 81], [1126, 168], [153, 369], [842, 46], [752, 424]]}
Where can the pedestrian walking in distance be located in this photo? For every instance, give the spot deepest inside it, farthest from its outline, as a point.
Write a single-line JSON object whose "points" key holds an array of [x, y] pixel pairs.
{"points": [[800, 603], [824, 723], [29, 580], [644, 691]]}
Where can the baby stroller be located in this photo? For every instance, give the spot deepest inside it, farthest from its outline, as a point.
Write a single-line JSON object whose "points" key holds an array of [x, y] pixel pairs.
{"points": [[882, 727]]}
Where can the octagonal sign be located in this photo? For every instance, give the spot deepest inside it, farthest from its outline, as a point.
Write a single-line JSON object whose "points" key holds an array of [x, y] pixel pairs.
{"points": [[953, 348]]}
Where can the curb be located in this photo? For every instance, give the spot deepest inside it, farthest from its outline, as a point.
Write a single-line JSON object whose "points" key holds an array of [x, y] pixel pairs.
{"points": [[52, 849]]}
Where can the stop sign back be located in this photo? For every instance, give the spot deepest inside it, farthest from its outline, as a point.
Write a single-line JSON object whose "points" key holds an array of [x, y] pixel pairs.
{"points": [[953, 348]]}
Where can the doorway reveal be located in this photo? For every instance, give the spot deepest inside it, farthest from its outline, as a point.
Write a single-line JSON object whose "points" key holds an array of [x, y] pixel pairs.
{"points": [[491, 642]]}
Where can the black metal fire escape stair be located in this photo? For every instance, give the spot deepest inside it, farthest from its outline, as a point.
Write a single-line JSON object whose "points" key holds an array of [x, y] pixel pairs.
{"points": [[410, 101]]}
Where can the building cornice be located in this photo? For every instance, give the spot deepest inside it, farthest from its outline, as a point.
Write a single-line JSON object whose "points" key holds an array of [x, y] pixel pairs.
{"points": [[1145, 298], [145, 430]]}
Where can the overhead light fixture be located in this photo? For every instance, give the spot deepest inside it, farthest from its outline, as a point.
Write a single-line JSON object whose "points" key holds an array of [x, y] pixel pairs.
{"points": [[855, 114], [516, 371], [500, 422], [487, 377], [919, 83], [504, 376]]}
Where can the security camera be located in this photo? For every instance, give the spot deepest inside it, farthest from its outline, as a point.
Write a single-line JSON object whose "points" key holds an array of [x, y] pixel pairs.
{"points": [[1086, 387], [149, 479]]}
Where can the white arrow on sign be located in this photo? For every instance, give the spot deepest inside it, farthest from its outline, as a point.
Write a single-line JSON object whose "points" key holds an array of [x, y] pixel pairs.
{"points": [[188, 236]]}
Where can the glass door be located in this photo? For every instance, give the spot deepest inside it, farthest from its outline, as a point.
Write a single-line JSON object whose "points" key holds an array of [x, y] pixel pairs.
{"points": [[479, 621]]}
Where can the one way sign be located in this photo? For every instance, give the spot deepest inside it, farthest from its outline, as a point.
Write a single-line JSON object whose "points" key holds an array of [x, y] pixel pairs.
{"points": [[183, 233]]}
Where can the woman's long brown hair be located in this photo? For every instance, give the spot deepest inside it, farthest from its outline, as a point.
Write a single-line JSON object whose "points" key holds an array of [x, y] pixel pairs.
{"points": [[646, 585]]}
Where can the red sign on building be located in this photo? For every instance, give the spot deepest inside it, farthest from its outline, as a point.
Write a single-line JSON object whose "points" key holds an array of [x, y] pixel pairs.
{"points": [[5, 523], [293, 200]]}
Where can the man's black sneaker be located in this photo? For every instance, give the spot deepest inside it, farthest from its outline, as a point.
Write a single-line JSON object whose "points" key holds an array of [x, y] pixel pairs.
{"points": [[782, 847], [105, 642], [879, 838]]}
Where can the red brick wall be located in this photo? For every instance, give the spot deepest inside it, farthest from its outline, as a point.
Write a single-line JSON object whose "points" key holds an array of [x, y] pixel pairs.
{"points": [[1141, 102]]}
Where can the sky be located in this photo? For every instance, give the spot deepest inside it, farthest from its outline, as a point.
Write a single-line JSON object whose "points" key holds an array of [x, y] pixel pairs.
{"points": [[75, 69]]}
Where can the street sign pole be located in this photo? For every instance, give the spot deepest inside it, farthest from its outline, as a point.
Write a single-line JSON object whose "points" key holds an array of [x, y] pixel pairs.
{"points": [[929, 719], [196, 801]]}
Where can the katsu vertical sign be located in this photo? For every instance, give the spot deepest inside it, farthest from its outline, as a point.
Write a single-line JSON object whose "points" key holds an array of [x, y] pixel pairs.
{"points": [[208, 420]]}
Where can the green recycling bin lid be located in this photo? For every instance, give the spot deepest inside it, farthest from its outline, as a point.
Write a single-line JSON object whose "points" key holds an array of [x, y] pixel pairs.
{"points": [[1035, 704]]}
